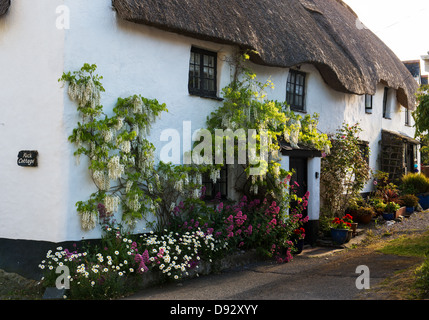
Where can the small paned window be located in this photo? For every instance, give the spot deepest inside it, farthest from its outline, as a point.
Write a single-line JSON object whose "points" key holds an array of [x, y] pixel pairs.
{"points": [[202, 73], [385, 100], [407, 117], [218, 189], [295, 90], [368, 103]]}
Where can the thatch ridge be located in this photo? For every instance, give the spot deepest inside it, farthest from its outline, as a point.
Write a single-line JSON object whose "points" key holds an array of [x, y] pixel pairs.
{"points": [[286, 33], [4, 6]]}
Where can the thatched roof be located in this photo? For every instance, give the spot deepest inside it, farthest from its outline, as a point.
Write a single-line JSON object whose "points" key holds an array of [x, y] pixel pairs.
{"points": [[4, 6], [286, 33]]}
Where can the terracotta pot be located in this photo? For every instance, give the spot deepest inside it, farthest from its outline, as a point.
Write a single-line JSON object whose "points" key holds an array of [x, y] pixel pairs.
{"points": [[365, 219], [401, 212]]}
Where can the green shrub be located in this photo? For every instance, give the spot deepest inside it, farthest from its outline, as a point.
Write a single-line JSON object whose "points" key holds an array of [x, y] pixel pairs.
{"points": [[414, 183], [409, 200], [422, 276], [391, 207]]}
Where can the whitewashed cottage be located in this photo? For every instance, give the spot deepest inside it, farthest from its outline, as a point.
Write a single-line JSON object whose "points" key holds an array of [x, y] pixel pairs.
{"points": [[336, 68]]}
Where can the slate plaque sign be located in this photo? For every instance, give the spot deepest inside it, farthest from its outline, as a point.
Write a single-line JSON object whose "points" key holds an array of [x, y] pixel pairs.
{"points": [[27, 158]]}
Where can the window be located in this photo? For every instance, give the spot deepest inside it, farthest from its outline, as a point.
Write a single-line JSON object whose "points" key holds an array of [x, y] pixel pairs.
{"points": [[368, 103], [219, 188], [295, 90], [385, 106], [202, 73], [407, 117]]}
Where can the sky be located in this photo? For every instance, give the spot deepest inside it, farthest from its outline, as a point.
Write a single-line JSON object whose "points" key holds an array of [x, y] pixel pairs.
{"points": [[403, 25]]}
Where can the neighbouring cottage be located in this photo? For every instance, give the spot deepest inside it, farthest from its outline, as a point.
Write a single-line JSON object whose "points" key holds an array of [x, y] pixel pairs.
{"points": [[312, 50]]}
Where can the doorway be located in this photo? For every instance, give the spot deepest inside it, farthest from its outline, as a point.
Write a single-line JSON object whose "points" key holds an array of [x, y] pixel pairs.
{"points": [[299, 178]]}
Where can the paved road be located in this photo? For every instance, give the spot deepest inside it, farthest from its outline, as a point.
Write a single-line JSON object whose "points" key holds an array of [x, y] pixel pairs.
{"points": [[310, 276]]}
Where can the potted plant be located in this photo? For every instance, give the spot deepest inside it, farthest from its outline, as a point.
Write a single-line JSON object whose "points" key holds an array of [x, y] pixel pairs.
{"points": [[348, 218], [298, 239], [339, 230], [390, 210], [418, 184], [410, 201], [365, 214], [378, 205]]}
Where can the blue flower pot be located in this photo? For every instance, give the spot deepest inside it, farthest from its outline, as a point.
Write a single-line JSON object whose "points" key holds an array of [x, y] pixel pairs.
{"points": [[388, 216], [299, 245], [424, 201], [409, 210], [339, 236]]}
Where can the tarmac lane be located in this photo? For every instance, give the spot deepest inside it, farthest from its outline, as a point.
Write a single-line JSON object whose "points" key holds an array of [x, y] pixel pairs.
{"points": [[328, 275]]}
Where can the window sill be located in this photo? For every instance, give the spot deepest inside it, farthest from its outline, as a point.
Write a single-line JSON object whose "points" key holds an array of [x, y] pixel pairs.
{"points": [[206, 96], [387, 118], [297, 110]]}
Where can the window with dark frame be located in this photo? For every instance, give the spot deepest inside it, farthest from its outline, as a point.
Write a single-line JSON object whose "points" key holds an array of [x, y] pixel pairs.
{"points": [[295, 90], [407, 117], [202, 73], [368, 103], [220, 188], [385, 99]]}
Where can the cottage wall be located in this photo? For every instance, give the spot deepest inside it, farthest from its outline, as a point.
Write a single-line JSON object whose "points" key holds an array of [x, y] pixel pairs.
{"points": [[33, 200], [36, 113]]}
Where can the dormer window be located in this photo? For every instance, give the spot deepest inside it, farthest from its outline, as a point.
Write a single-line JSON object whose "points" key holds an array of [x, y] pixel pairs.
{"points": [[295, 90], [368, 103], [385, 103], [202, 73]]}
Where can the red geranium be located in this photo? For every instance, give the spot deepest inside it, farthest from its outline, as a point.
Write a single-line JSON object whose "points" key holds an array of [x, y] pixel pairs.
{"points": [[300, 233], [338, 223], [348, 218]]}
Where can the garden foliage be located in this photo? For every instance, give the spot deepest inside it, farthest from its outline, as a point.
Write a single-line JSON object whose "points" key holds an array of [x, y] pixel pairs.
{"points": [[345, 171], [188, 229]]}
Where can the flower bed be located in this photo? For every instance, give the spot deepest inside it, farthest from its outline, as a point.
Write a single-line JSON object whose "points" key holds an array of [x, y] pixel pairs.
{"points": [[123, 261]]}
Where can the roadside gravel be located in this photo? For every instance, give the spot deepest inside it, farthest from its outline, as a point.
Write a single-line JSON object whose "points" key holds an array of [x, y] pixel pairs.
{"points": [[418, 222]]}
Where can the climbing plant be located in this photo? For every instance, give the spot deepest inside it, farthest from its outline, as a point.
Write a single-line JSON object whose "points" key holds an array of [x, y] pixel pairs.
{"points": [[121, 158], [421, 114], [421, 120], [246, 107], [344, 171]]}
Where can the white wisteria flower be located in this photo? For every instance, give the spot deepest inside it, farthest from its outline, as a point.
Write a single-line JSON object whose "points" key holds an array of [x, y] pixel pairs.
{"points": [[111, 203], [116, 169], [88, 220]]}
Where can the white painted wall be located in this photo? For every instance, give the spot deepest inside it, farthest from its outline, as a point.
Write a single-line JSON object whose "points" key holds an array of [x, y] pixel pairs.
{"points": [[335, 108], [31, 110], [133, 59], [36, 113]]}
